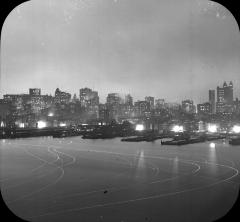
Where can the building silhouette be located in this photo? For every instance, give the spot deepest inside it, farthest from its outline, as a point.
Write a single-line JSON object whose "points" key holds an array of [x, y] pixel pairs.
{"points": [[224, 98], [212, 101]]}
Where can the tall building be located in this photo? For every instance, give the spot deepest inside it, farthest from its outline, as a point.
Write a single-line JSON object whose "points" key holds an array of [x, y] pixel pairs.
{"points": [[89, 99], [150, 100], [113, 105], [5, 113], [18, 102], [228, 93], [224, 98], [225, 93], [62, 97], [188, 106], [128, 100], [212, 101], [113, 99], [104, 113], [142, 108]]}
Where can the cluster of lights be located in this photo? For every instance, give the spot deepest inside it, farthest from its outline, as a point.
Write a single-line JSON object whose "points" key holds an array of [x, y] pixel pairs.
{"points": [[236, 129], [177, 129], [41, 124], [50, 114], [62, 124], [139, 127], [21, 125], [212, 128]]}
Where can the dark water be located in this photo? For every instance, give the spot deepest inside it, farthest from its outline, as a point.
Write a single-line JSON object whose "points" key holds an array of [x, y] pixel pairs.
{"points": [[71, 179]]}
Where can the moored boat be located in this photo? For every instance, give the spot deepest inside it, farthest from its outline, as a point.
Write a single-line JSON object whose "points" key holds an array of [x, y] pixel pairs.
{"points": [[234, 141]]}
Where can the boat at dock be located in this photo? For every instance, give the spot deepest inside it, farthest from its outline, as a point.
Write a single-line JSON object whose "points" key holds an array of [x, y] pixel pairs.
{"points": [[183, 141], [148, 138], [234, 141]]}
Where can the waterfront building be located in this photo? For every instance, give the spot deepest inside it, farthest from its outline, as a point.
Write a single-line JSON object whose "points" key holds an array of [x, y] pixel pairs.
{"points": [[5, 113], [104, 114]]}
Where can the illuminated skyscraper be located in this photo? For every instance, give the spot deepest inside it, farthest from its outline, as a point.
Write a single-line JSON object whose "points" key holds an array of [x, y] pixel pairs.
{"points": [[224, 98], [88, 97], [113, 105], [62, 97]]}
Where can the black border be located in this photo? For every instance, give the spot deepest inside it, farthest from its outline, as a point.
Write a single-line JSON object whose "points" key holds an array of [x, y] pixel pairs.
{"points": [[9, 5]]}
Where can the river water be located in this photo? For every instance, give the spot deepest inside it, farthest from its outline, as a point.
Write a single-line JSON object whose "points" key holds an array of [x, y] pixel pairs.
{"points": [[72, 179]]}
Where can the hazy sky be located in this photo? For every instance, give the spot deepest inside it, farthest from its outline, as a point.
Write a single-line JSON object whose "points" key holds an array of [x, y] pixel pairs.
{"points": [[172, 49]]}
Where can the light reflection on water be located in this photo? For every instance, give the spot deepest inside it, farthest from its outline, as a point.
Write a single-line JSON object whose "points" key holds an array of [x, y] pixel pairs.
{"points": [[141, 165], [175, 165], [212, 157]]}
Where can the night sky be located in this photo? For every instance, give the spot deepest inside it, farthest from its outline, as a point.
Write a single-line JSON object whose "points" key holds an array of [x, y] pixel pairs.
{"points": [[172, 49]]}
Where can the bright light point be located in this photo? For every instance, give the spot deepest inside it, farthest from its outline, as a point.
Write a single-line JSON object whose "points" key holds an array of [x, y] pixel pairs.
{"points": [[212, 145], [236, 129], [41, 124], [2, 124], [21, 125], [50, 114], [62, 124], [139, 127], [177, 129], [212, 128]]}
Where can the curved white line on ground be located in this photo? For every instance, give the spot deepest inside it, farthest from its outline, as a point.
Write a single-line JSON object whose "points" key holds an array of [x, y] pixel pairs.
{"points": [[135, 200], [148, 197], [37, 168], [43, 188], [30, 154], [115, 189]]}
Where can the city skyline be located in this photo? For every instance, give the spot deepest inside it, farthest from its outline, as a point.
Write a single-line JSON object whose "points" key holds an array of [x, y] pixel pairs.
{"points": [[123, 95], [121, 46]]}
